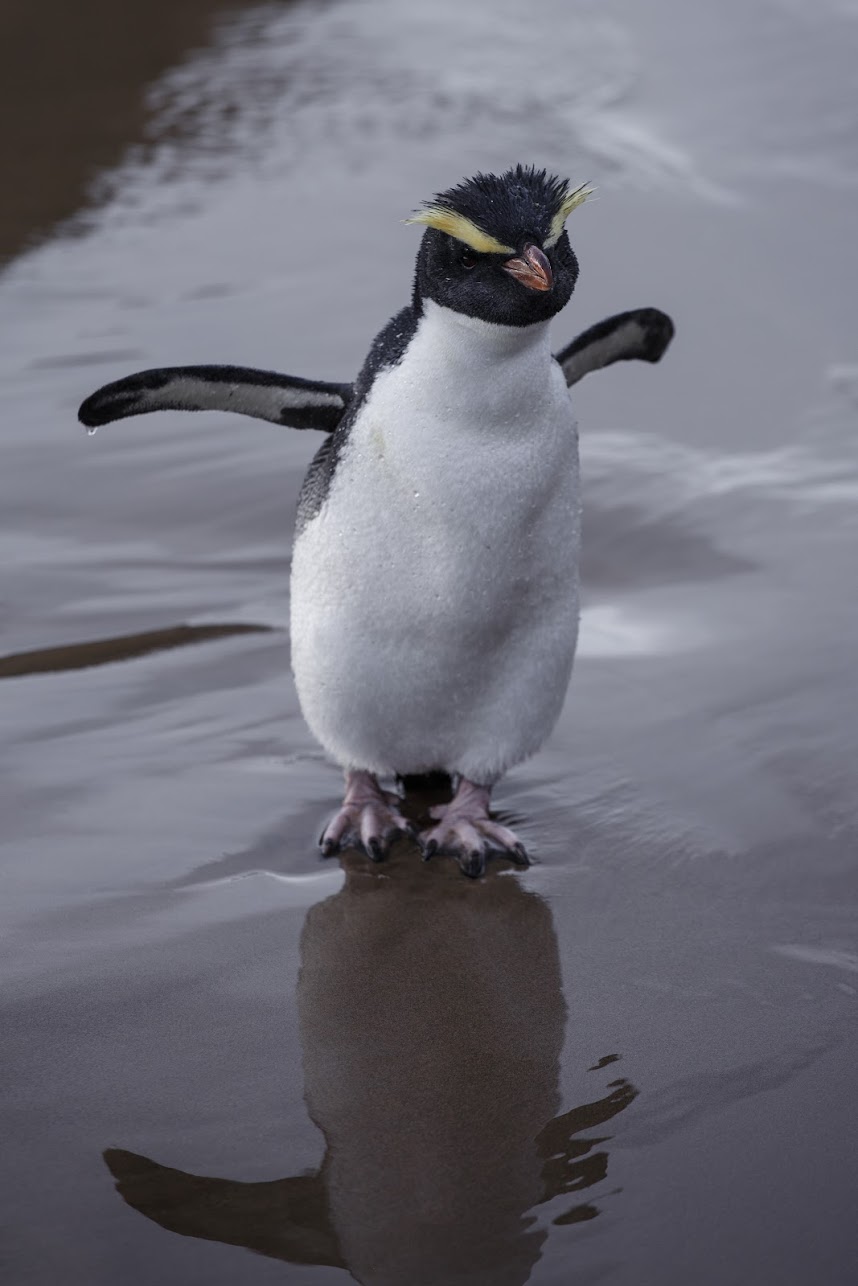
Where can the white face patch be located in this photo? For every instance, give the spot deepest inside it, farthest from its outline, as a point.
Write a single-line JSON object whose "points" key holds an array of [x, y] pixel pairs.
{"points": [[570, 202]]}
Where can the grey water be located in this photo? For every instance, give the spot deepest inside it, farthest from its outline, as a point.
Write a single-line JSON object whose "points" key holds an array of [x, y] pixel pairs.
{"points": [[225, 1060]]}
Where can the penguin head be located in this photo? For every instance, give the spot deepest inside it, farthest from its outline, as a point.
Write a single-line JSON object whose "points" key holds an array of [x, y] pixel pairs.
{"points": [[496, 248]]}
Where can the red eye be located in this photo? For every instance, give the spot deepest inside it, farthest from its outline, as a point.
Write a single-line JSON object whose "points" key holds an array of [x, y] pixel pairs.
{"points": [[468, 259]]}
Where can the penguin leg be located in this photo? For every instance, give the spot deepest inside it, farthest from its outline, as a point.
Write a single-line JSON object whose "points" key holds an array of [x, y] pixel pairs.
{"points": [[369, 819], [465, 831]]}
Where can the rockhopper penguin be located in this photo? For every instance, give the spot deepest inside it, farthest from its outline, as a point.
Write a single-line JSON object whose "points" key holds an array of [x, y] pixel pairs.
{"points": [[435, 565]]}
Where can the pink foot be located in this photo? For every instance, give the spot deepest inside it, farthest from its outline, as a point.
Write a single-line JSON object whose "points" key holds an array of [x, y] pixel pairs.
{"points": [[369, 819], [466, 831]]}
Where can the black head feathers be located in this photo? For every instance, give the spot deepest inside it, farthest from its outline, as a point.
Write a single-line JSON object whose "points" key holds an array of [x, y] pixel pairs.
{"points": [[497, 213], [495, 247]]}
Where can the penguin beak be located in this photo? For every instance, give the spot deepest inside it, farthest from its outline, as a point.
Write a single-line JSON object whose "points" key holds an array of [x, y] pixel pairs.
{"points": [[532, 269]]}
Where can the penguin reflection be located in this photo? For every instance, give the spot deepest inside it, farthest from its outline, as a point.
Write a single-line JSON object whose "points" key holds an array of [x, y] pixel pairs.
{"points": [[432, 1023]]}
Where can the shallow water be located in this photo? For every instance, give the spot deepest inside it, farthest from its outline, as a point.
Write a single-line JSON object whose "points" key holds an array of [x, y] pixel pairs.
{"points": [[635, 1062]]}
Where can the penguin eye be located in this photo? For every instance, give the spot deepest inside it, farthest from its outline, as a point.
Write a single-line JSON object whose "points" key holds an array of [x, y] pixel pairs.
{"points": [[468, 259]]}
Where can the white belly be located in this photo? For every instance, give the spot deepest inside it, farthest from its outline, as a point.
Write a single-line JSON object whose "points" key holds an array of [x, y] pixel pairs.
{"points": [[435, 596]]}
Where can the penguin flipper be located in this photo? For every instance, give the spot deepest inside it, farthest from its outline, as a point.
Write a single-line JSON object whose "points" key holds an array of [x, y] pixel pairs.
{"points": [[265, 395], [643, 333], [287, 1219]]}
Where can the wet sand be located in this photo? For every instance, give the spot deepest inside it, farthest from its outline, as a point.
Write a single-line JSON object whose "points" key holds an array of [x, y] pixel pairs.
{"points": [[228, 1061], [73, 98]]}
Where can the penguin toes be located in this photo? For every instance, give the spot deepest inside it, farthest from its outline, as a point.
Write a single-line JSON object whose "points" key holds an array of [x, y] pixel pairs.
{"points": [[471, 841], [371, 827]]}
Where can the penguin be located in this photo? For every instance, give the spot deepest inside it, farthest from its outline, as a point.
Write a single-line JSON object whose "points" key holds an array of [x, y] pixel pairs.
{"points": [[434, 590]]}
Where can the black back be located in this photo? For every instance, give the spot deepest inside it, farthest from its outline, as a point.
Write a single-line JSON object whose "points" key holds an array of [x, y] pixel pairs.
{"points": [[388, 348]]}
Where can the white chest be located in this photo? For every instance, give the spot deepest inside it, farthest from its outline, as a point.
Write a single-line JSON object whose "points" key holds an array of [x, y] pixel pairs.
{"points": [[447, 549]]}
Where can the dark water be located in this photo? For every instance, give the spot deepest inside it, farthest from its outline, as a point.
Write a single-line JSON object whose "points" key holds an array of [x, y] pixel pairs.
{"points": [[226, 1061]]}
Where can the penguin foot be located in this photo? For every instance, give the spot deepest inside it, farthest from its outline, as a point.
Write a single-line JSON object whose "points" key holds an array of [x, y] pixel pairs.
{"points": [[369, 819], [465, 831]]}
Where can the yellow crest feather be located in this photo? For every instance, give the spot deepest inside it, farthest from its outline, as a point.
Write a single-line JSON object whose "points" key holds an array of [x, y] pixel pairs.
{"points": [[571, 201], [463, 229]]}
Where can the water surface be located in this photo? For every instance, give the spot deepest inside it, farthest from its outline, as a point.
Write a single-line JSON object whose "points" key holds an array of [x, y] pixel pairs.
{"points": [[229, 1061]]}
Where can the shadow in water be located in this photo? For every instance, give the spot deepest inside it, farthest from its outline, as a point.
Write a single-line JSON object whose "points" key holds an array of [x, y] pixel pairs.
{"points": [[432, 1021], [123, 647], [628, 547]]}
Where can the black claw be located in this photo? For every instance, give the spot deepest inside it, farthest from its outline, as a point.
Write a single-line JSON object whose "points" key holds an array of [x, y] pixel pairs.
{"points": [[374, 850], [328, 846], [429, 848], [518, 853], [473, 864]]}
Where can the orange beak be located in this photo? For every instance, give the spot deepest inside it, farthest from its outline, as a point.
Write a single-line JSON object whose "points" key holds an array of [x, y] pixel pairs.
{"points": [[532, 269]]}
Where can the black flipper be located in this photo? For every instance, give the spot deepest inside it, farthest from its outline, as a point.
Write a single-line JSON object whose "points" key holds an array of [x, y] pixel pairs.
{"points": [[643, 333], [265, 395]]}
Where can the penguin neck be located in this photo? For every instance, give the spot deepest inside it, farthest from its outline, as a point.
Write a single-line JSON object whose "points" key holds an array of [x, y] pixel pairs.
{"points": [[461, 339]]}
